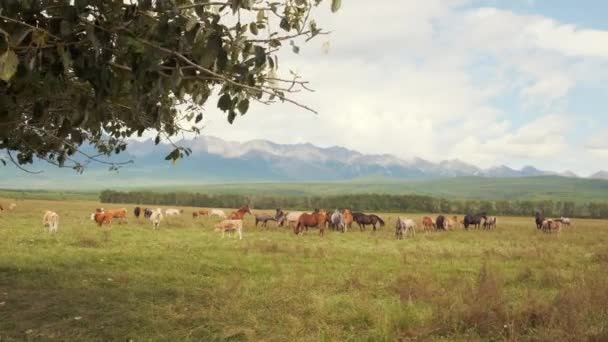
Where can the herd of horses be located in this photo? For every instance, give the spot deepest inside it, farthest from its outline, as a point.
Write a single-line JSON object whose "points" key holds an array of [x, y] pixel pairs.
{"points": [[339, 220]]}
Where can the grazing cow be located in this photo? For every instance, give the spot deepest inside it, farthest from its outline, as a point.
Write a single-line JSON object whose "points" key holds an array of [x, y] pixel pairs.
{"points": [[156, 217], [50, 220], [239, 214], [264, 218], [230, 226], [316, 219], [120, 214], [147, 213], [550, 226], [173, 212], [539, 219], [102, 217], [12, 206], [200, 212], [452, 222], [363, 220], [428, 224], [217, 212], [564, 220], [293, 217], [440, 223], [474, 220], [489, 223], [403, 226], [337, 221], [137, 212], [348, 218]]}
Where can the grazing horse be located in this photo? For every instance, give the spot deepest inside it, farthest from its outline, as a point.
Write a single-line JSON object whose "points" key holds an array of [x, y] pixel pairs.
{"points": [[316, 219], [337, 221], [452, 222], [539, 219], [428, 223], [348, 218], [550, 226], [474, 220], [239, 214], [50, 220], [440, 223], [264, 218], [137, 212], [280, 216], [404, 225], [147, 213], [363, 220], [564, 220], [489, 223]]}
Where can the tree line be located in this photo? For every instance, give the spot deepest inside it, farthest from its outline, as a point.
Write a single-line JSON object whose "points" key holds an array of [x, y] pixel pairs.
{"points": [[362, 202]]}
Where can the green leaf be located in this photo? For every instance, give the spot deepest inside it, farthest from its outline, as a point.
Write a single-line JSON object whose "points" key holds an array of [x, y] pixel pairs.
{"points": [[260, 56], [253, 27], [243, 106], [335, 5], [8, 65], [224, 103], [231, 116], [198, 118]]}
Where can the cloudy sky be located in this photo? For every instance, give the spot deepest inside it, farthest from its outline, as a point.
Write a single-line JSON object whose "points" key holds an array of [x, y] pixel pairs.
{"points": [[514, 82]]}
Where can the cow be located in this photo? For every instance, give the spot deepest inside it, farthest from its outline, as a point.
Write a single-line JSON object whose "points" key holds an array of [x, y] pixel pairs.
{"points": [[230, 226], [217, 212], [404, 225], [428, 224], [440, 223], [156, 217], [119, 214], [50, 220], [173, 212], [137, 212], [102, 217]]}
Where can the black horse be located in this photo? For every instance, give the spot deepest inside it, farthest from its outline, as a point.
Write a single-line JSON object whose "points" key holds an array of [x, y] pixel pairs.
{"points": [[474, 220], [137, 212], [363, 220], [539, 218], [440, 222]]}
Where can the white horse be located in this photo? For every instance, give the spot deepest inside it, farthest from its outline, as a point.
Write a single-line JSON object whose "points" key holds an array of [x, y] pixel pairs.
{"points": [[50, 220], [337, 220], [217, 212], [402, 227]]}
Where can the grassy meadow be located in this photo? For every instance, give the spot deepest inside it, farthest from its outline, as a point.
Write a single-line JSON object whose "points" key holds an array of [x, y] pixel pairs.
{"points": [[184, 282]]}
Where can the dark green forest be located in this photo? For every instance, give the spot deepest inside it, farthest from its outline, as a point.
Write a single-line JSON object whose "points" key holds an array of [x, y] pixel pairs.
{"points": [[363, 202]]}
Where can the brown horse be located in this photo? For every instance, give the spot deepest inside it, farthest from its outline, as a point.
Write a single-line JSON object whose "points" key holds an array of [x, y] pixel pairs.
{"points": [[200, 212], [316, 219], [348, 218], [239, 214], [428, 223]]}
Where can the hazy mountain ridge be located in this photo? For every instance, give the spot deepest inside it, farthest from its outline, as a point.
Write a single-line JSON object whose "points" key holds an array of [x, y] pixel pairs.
{"points": [[216, 160]]}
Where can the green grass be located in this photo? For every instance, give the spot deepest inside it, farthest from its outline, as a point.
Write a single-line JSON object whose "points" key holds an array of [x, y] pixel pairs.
{"points": [[184, 282], [523, 188]]}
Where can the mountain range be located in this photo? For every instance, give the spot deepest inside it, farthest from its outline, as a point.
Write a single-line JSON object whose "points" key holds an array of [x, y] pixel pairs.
{"points": [[215, 160]]}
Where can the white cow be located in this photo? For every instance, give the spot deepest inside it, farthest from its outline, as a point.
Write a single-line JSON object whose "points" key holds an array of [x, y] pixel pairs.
{"points": [[50, 220], [156, 217], [173, 212], [217, 212]]}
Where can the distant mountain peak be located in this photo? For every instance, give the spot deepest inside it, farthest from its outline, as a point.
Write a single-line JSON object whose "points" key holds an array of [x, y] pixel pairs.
{"points": [[600, 175]]}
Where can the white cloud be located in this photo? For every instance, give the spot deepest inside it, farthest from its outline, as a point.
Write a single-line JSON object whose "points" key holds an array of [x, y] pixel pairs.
{"points": [[428, 79]]}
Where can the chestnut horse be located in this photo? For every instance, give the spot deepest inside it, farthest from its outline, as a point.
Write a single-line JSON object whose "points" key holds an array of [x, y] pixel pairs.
{"points": [[239, 214], [348, 218], [316, 219]]}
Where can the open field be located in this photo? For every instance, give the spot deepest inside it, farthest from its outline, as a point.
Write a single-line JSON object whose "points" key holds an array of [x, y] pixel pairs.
{"points": [[184, 282]]}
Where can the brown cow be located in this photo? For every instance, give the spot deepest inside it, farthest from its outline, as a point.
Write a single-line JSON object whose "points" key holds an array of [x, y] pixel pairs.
{"points": [[428, 223], [316, 219], [102, 217]]}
